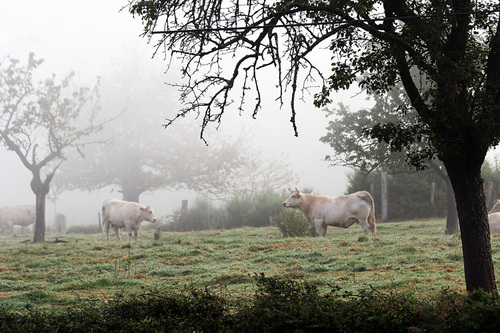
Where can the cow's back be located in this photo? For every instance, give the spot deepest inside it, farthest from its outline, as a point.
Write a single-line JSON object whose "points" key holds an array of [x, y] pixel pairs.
{"points": [[117, 211], [352, 205]]}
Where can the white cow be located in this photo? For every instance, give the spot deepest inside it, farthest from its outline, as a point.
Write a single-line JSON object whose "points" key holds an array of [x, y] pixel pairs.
{"points": [[124, 214], [60, 224], [494, 220], [11, 215], [341, 211], [496, 207]]}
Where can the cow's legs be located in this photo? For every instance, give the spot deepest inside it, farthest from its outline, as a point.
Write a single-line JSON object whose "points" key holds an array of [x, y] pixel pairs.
{"points": [[106, 229], [117, 232], [129, 228], [320, 227], [365, 225]]}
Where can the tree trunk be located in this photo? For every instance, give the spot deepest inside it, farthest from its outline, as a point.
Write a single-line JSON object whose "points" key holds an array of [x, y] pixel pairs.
{"points": [[131, 196], [40, 218], [452, 214], [473, 218], [40, 189]]}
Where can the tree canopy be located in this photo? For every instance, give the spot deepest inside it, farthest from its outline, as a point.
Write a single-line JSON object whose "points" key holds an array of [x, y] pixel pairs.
{"points": [[446, 55]]}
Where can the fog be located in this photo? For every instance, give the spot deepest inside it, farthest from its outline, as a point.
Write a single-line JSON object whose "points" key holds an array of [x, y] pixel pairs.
{"points": [[90, 38]]}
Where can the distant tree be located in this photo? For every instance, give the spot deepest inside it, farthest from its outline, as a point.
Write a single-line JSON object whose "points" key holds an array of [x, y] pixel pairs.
{"points": [[41, 121], [348, 135], [142, 156], [491, 174]]}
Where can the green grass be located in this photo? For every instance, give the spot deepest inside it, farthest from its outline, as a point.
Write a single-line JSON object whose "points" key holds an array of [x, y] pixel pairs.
{"points": [[410, 256]]}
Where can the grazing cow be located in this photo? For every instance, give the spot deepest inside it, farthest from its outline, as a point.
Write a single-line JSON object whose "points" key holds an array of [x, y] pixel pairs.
{"points": [[341, 211], [61, 224], [124, 214], [496, 207], [494, 220], [11, 215]]}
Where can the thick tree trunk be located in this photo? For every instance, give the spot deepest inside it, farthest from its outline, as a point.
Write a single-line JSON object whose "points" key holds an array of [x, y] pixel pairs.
{"points": [[131, 196], [452, 214], [474, 227]]}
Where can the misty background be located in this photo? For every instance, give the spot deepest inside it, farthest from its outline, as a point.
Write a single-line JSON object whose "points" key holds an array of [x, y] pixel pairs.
{"points": [[94, 39]]}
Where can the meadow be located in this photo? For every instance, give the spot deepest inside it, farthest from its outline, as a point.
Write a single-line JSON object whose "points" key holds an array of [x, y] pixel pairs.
{"points": [[414, 257]]}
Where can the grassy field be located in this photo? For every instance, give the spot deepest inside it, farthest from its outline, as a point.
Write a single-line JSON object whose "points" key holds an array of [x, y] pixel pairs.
{"points": [[407, 256]]}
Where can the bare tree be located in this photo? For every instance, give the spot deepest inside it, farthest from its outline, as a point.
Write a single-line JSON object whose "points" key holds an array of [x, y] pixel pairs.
{"points": [[39, 121]]}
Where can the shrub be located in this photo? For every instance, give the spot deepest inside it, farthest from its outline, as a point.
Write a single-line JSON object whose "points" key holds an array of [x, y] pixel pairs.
{"points": [[203, 215], [278, 305], [84, 229], [292, 223]]}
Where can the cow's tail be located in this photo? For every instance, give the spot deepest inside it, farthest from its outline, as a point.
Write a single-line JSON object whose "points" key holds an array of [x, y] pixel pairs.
{"points": [[371, 216], [104, 218]]}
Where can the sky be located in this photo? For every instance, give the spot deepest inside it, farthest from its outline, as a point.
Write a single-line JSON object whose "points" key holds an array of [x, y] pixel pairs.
{"points": [[87, 37]]}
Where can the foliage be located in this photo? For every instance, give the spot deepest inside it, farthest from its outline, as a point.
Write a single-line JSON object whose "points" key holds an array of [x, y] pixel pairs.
{"points": [[409, 194], [353, 147], [291, 223], [279, 305]]}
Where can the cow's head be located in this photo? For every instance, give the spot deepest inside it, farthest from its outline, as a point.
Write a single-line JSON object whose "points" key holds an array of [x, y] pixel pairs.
{"points": [[294, 199], [148, 214]]}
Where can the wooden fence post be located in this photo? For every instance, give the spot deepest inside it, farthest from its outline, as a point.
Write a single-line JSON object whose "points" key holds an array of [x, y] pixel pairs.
{"points": [[99, 219], [383, 179], [489, 192], [433, 190]]}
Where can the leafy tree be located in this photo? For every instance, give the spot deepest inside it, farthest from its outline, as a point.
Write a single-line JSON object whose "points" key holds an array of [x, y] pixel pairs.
{"points": [[133, 164], [40, 121], [451, 45], [353, 146]]}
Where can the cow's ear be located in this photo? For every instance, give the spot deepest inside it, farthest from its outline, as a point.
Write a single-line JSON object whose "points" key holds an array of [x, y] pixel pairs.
{"points": [[142, 208]]}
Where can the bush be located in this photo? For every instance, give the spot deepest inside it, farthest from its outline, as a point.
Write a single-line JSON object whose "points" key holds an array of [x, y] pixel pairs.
{"points": [[292, 223], [279, 305], [84, 229], [202, 216], [255, 211]]}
